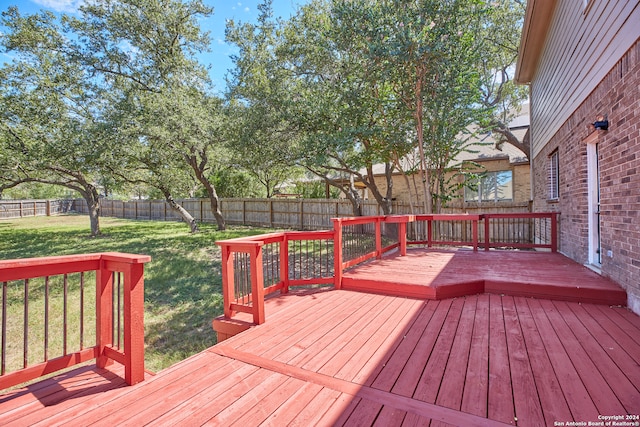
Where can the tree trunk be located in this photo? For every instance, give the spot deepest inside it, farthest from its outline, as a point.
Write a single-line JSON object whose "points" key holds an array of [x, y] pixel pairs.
{"points": [[383, 202], [214, 200], [427, 201], [354, 197], [90, 195], [184, 214]]}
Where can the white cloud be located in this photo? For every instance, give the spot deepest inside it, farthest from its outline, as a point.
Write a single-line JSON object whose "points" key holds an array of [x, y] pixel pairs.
{"points": [[246, 9], [70, 6]]}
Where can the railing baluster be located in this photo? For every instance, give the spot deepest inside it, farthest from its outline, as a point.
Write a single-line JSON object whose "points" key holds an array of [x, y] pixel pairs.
{"points": [[46, 318], [120, 296], [82, 310], [4, 328], [25, 348], [64, 315]]}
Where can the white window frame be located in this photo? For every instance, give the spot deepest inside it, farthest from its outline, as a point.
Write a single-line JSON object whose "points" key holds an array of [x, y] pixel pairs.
{"points": [[554, 176], [478, 194]]}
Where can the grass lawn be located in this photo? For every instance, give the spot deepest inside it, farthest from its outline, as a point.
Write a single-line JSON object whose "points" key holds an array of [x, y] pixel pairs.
{"points": [[183, 290]]}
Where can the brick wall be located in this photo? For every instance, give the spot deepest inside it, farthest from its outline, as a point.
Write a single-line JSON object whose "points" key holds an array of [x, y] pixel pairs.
{"points": [[618, 97]]}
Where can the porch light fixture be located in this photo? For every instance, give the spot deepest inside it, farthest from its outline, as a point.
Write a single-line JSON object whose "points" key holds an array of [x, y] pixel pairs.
{"points": [[601, 123]]}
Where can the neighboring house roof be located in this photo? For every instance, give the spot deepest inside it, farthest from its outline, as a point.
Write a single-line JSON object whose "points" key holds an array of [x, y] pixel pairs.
{"points": [[483, 147], [480, 148]]}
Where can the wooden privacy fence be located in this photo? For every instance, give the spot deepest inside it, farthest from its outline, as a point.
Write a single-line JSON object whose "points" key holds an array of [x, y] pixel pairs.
{"points": [[297, 214], [53, 318], [355, 240], [24, 208]]}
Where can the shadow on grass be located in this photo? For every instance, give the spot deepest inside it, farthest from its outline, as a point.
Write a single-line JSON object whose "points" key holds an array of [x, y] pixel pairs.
{"points": [[183, 290]]}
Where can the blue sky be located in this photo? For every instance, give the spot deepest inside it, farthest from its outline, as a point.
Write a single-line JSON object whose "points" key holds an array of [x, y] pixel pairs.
{"points": [[218, 59]]}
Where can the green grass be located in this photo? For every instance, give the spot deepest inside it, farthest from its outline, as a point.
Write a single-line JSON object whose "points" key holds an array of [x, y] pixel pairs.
{"points": [[183, 290]]}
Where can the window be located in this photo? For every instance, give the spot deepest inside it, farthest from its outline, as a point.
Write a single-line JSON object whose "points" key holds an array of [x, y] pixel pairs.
{"points": [[490, 187], [554, 178]]}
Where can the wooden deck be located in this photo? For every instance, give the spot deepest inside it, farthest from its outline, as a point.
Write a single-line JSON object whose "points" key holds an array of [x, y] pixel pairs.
{"points": [[437, 274], [339, 357]]}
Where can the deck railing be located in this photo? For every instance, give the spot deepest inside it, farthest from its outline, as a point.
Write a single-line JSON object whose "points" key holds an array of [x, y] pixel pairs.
{"points": [[254, 267], [257, 266], [53, 318]]}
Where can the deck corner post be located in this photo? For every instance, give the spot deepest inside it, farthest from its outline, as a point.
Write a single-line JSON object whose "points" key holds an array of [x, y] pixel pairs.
{"points": [[257, 285], [134, 323], [486, 219], [475, 235], [104, 313], [337, 253], [284, 263], [379, 237], [554, 232], [402, 237], [227, 279]]}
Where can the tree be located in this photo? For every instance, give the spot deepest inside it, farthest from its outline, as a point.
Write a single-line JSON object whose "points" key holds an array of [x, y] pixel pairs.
{"points": [[501, 35], [146, 49], [343, 103], [49, 112], [264, 142]]}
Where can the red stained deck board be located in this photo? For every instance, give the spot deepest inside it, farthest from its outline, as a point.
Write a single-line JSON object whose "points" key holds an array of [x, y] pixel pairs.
{"points": [[62, 389], [610, 321], [257, 394], [211, 401], [388, 376], [500, 400], [327, 346], [614, 349], [527, 405], [429, 383], [406, 384], [289, 353], [294, 405], [575, 393], [453, 380], [475, 395], [623, 389], [291, 332], [369, 360], [314, 411], [72, 408], [291, 321], [602, 395], [351, 345], [389, 416], [150, 399], [554, 405]]}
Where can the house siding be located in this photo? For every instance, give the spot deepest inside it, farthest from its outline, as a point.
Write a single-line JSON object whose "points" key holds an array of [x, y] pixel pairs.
{"points": [[616, 95], [579, 51]]}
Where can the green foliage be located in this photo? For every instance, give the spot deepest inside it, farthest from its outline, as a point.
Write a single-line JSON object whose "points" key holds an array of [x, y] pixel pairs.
{"points": [[231, 182], [314, 190], [38, 191], [182, 282]]}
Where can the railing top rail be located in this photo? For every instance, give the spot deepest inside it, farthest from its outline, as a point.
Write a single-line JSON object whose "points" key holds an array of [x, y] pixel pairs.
{"points": [[357, 220], [250, 240], [448, 217], [309, 235], [27, 268], [521, 215]]}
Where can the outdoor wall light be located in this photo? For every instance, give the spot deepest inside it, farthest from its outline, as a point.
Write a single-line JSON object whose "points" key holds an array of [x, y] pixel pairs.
{"points": [[601, 124]]}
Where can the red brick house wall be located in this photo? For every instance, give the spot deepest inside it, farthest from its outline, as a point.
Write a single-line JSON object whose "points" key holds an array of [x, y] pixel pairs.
{"points": [[618, 97]]}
